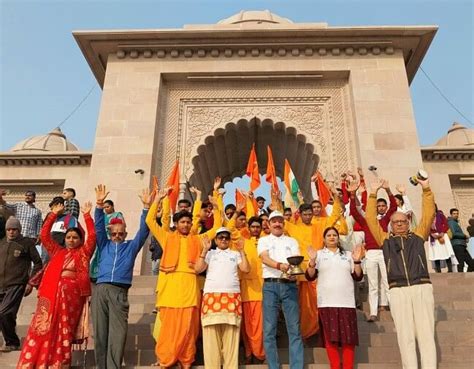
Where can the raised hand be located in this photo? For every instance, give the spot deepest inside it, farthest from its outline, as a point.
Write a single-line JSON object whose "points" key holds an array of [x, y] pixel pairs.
{"points": [[196, 192], [401, 189], [353, 186], [360, 172], [86, 207], [314, 177], [206, 243], [217, 183], [146, 197], [376, 185], [240, 205], [57, 208], [101, 194], [358, 252], [425, 183], [385, 184]]}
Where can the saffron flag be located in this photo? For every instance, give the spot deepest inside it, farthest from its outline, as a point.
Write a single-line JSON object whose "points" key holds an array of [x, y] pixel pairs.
{"points": [[173, 182], [292, 188], [252, 170], [323, 190], [270, 176], [240, 200]]}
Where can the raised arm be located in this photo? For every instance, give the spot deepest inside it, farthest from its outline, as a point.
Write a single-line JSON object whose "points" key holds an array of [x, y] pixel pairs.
{"points": [[371, 215], [90, 243], [196, 209], [158, 232], [244, 265], [428, 211], [49, 244], [101, 194]]}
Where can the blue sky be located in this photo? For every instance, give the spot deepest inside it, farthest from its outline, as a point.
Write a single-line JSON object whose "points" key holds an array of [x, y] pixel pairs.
{"points": [[44, 75]]}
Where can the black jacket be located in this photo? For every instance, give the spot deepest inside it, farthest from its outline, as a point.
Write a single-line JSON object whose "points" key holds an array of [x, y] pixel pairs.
{"points": [[15, 261], [405, 258]]}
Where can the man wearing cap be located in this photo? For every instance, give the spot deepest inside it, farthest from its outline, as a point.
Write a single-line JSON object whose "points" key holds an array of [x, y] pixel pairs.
{"points": [[16, 255], [221, 311], [274, 250], [27, 213]]}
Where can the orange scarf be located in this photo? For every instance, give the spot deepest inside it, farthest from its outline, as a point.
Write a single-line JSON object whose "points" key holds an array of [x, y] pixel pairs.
{"points": [[169, 260]]}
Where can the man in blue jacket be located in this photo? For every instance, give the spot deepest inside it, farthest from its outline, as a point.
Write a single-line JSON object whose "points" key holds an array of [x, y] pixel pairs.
{"points": [[110, 305]]}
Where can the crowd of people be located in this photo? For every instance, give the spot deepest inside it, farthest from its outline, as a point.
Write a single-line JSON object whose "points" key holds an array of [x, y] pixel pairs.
{"points": [[226, 273]]}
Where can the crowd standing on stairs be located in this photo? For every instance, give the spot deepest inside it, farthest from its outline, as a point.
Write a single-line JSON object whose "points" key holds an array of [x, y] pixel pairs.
{"points": [[223, 272]]}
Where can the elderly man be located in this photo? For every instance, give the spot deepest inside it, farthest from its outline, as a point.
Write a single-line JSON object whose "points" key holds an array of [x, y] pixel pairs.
{"points": [[411, 292], [110, 297], [16, 255], [27, 213], [274, 250]]}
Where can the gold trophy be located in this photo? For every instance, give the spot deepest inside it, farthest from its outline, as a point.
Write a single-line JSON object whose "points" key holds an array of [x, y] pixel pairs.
{"points": [[295, 268]]}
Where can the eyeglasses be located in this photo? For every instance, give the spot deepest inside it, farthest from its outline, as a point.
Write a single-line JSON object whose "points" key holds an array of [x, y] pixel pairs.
{"points": [[401, 221], [223, 238], [119, 234]]}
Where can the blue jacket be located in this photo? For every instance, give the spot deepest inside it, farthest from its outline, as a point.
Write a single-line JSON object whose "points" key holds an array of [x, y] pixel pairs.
{"points": [[117, 259]]}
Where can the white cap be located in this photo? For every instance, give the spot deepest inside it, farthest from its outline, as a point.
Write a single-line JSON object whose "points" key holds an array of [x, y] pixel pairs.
{"points": [[222, 230], [275, 214]]}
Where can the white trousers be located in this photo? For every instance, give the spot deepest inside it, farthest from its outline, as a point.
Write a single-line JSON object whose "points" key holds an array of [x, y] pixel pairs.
{"points": [[412, 311], [374, 263]]}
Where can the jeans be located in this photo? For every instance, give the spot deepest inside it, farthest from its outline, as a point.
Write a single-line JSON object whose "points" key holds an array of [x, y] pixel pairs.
{"points": [[277, 294]]}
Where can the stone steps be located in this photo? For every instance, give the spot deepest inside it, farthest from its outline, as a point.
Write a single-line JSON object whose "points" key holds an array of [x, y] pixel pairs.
{"points": [[454, 311]]}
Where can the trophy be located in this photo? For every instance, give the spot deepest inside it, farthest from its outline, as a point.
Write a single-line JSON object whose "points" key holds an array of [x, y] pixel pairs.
{"points": [[295, 268]]}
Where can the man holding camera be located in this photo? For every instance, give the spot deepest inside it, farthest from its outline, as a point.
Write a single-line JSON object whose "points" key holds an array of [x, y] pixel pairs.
{"points": [[411, 292]]}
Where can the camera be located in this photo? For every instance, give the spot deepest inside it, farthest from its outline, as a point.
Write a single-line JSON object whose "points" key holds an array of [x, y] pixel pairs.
{"points": [[420, 175]]}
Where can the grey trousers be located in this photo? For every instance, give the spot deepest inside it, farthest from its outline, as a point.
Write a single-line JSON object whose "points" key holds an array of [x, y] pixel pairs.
{"points": [[109, 310]]}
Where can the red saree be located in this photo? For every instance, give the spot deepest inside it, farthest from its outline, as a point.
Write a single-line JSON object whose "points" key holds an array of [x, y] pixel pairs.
{"points": [[61, 299]]}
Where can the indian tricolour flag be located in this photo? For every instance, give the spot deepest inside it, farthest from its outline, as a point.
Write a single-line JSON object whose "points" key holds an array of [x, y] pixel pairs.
{"points": [[292, 188]]}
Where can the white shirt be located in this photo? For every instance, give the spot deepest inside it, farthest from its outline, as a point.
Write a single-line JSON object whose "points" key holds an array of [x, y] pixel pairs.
{"points": [[335, 283], [222, 274], [279, 248]]}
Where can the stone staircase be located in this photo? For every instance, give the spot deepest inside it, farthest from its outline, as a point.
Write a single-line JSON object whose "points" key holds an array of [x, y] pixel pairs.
{"points": [[454, 300]]}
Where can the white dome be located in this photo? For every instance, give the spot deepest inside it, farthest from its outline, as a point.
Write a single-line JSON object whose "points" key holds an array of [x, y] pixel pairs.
{"points": [[53, 141], [256, 17], [458, 135]]}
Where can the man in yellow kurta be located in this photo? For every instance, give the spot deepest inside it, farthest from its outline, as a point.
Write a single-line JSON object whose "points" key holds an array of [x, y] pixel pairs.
{"points": [[178, 289], [251, 285]]}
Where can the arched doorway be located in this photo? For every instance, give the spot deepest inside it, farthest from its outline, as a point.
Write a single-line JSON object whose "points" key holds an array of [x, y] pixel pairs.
{"points": [[225, 153]]}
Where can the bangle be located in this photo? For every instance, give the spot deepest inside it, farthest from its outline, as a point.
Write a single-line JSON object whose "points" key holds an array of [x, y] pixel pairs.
{"points": [[278, 266], [357, 262]]}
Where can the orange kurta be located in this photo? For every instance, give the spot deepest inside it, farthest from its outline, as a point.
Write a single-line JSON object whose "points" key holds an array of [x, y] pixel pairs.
{"points": [[303, 233], [178, 298], [251, 285]]}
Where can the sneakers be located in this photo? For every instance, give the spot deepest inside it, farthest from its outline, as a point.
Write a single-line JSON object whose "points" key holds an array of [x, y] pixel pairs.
{"points": [[372, 319], [9, 348]]}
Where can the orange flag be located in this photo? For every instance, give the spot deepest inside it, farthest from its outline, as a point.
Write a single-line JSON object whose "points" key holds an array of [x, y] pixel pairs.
{"points": [[240, 199], [323, 190], [270, 176], [173, 182], [252, 170]]}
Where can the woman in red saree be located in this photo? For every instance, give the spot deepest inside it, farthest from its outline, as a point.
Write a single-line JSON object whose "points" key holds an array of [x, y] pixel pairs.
{"points": [[61, 296]]}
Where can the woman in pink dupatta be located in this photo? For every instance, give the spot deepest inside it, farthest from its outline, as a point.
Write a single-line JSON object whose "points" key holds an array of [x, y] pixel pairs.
{"points": [[61, 295]]}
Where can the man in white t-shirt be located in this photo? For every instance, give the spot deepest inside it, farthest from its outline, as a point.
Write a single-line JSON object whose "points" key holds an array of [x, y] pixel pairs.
{"points": [[274, 250], [221, 302]]}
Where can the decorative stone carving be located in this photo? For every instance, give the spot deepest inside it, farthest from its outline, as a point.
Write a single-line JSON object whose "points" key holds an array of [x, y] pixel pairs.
{"points": [[318, 111]]}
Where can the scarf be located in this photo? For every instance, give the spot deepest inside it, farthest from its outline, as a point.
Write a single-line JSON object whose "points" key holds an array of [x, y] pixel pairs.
{"points": [[169, 260]]}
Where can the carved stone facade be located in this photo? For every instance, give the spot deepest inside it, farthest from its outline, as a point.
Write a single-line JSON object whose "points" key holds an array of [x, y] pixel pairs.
{"points": [[317, 110]]}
